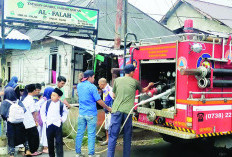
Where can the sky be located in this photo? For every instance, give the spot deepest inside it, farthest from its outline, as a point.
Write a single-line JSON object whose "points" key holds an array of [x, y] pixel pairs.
{"points": [[158, 8]]}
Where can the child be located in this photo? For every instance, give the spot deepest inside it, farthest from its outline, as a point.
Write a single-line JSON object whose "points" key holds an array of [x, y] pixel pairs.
{"points": [[15, 131], [38, 103], [47, 94], [54, 113], [32, 135]]}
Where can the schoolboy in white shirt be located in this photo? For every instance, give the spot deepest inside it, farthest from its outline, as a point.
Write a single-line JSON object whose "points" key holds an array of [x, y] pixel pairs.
{"points": [[54, 113], [32, 135]]}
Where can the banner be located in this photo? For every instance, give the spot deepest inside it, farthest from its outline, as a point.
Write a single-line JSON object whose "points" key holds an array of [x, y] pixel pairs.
{"points": [[29, 11]]}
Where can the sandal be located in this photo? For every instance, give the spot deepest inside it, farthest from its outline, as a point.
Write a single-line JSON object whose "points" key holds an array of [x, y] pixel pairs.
{"points": [[27, 152], [45, 151], [36, 153]]}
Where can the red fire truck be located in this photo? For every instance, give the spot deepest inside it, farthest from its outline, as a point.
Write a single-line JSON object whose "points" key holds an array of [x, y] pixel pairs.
{"points": [[192, 97]]}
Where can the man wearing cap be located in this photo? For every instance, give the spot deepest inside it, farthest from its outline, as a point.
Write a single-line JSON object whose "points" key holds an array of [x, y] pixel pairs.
{"points": [[88, 96], [124, 91]]}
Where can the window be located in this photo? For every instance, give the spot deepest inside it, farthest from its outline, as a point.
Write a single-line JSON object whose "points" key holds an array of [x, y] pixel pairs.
{"points": [[78, 66], [54, 64]]}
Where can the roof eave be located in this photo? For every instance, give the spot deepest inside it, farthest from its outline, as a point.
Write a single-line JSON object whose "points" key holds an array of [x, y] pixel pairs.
{"points": [[171, 11], [205, 14]]}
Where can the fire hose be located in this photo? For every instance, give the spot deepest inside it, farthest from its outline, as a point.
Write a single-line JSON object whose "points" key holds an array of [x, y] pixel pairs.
{"points": [[203, 72], [204, 82], [167, 92]]}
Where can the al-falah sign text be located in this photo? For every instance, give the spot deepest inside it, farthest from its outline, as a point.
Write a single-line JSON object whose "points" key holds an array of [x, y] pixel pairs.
{"points": [[49, 13]]}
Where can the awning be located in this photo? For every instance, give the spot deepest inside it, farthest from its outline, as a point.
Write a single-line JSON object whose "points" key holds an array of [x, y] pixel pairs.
{"points": [[15, 40], [103, 46]]}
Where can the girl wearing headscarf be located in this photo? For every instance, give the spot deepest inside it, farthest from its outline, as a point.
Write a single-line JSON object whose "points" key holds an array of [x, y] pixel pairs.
{"points": [[47, 94], [15, 131], [13, 83]]}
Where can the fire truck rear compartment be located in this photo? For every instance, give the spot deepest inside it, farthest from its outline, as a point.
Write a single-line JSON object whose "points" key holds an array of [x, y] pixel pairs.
{"points": [[163, 75]]}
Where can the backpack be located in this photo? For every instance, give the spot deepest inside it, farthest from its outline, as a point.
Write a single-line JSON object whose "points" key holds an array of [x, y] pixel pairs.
{"points": [[16, 112], [61, 107]]}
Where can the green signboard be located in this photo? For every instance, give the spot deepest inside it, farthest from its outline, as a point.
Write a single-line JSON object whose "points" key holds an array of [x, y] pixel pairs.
{"points": [[30, 11]]}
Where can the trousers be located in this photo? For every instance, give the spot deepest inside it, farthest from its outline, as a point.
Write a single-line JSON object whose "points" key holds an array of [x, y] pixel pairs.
{"points": [[117, 119]]}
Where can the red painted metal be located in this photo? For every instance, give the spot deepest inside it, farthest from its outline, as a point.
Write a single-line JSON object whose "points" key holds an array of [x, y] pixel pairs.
{"points": [[209, 116]]}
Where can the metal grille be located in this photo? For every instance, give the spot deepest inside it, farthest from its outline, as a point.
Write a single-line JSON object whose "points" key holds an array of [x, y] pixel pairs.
{"points": [[54, 49]]}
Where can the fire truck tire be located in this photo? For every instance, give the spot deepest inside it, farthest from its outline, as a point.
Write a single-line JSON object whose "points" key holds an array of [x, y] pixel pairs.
{"points": [[209, 142], [175, 140]]}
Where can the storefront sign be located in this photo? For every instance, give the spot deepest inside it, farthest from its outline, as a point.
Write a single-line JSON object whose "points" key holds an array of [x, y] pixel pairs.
{"points": [[30, 11]]}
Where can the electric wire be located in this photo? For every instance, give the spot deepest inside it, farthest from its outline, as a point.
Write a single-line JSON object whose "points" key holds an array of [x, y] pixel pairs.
{"points": [[226, 19], [179, 20]]}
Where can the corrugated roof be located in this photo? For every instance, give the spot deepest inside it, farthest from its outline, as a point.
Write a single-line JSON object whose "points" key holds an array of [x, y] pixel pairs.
{"points": [[218, 12], [138, 22], [14, 35], [103, 46]]}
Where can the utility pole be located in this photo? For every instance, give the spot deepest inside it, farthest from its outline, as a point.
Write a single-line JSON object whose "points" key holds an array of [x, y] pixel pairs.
{"points": [[117, 39], [3, 58], [125, 31], [3, 139]]}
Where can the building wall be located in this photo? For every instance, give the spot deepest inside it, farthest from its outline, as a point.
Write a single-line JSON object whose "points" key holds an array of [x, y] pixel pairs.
{"points": [[199, 22], [6, 72], [33, 66]]}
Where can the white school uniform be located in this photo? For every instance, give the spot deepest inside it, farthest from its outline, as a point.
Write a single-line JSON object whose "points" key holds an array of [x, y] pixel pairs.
{"points": [[29, 104], [53, 114]]}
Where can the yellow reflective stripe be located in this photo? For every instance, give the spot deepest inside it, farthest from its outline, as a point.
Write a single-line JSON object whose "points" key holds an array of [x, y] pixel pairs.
{"points": [[105, 95]]}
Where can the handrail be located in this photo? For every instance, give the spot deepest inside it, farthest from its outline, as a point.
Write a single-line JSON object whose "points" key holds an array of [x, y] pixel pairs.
{"points": [[210, 92], [125, 40], [170, 36]]}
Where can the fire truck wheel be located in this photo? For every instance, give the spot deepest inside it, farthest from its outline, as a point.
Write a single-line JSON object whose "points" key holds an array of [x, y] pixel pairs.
{"points": [[209, 142], [175, 140]]}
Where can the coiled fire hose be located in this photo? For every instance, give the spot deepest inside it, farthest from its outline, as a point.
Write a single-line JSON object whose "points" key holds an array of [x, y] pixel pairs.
{"points": [[167, 92]]}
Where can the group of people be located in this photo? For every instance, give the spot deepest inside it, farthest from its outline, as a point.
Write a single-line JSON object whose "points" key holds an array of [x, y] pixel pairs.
{"points": [[33, 118], [118, 101]]}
